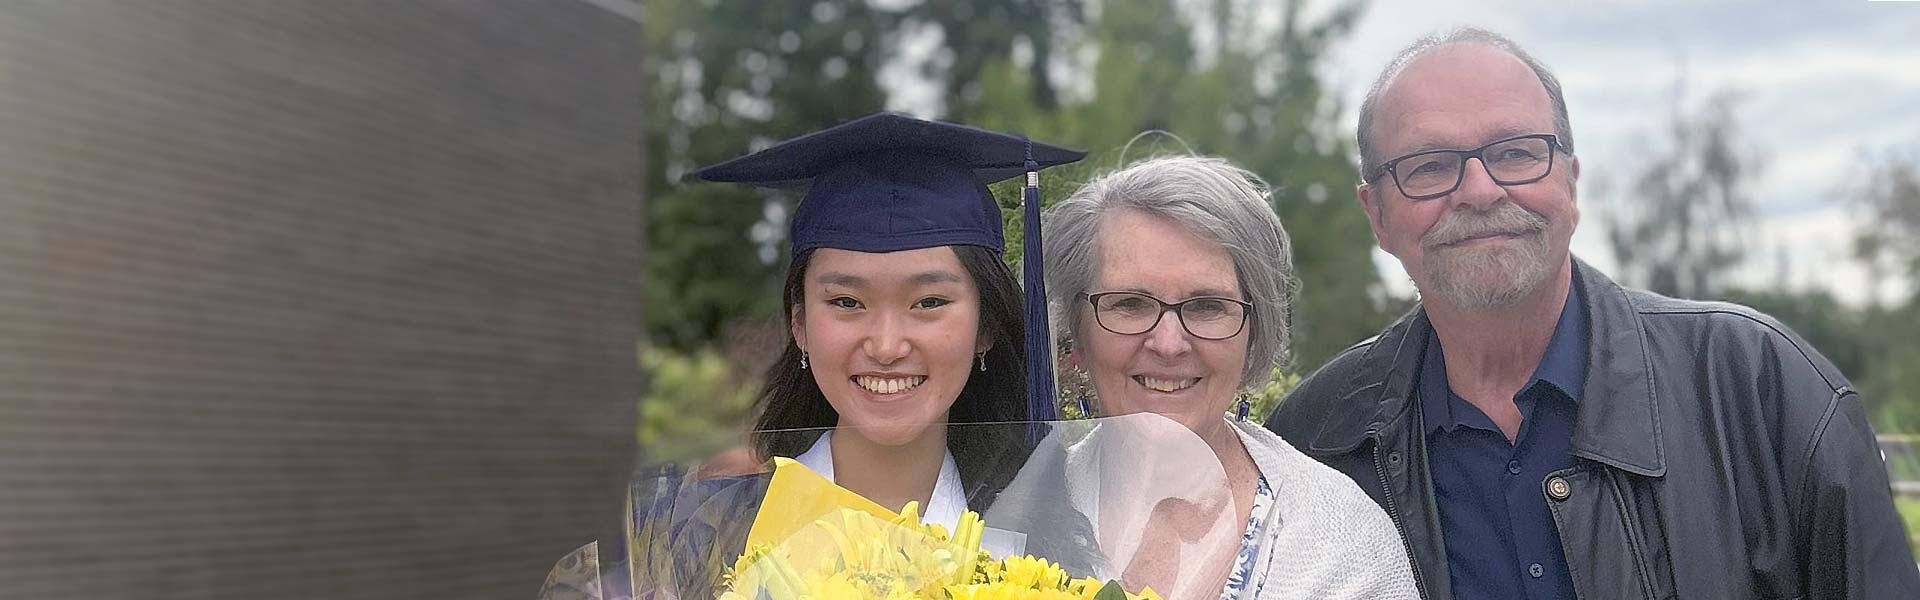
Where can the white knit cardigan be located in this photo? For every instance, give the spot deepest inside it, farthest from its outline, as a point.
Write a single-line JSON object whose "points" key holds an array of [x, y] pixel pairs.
{"points": [[1324, 538]]}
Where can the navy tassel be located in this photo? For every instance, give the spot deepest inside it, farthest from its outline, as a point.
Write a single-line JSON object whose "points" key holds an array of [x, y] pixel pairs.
{"points": [[1040, 396]]}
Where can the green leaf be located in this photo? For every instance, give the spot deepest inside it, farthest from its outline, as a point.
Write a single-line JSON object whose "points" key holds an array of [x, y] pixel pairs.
{"points": [[1111, 591]]}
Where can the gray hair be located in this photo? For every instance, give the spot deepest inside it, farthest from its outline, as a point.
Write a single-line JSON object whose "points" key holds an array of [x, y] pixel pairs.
{"points": [[1370, 158], [1210, 198]]}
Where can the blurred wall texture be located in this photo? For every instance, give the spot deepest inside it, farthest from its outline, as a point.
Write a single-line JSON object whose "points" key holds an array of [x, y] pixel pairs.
{"points": [[314, 298]]}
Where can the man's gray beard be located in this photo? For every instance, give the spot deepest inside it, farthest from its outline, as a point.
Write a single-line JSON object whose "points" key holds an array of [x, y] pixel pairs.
{"points": [[1456, 275]]}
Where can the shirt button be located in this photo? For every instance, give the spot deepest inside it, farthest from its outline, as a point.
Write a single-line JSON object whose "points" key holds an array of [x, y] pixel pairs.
{"points": [[1536, 570], [1513, 466]]}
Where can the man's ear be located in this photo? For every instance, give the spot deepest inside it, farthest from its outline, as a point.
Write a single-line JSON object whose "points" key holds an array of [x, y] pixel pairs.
{"points": [[1370, 201], [1573, 191]]}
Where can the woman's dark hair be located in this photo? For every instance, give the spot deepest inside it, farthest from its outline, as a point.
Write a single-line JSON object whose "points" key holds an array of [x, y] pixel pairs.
{"points": [[986, 456]]}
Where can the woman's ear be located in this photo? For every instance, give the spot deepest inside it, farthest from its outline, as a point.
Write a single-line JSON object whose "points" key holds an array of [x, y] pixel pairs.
{"points": [[983, 339], [797, 326]]}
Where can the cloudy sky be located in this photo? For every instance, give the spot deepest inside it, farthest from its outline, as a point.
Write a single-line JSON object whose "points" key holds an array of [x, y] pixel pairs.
{"points": [[1821, 82]]}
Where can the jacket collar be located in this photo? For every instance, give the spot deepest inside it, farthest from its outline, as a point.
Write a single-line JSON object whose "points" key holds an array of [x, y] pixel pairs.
{"points": [[1619, 422]]}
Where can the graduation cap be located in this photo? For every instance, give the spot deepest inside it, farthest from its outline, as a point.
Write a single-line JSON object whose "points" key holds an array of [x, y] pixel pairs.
{"points": [[888, 182]]}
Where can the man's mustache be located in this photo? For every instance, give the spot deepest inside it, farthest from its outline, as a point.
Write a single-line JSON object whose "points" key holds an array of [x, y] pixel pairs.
{"points": [[1505, 218]]}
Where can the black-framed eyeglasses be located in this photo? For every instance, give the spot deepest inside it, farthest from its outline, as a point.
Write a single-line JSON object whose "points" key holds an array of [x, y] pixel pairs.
{"points": [[1134, 313], [1435, 173]]}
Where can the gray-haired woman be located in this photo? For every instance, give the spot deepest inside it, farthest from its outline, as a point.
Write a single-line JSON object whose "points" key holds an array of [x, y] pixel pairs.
{"points": [[1172, 280]]}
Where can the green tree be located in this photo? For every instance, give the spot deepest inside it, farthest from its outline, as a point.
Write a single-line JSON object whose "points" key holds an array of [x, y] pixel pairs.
{"points": [[1889, 387], [1889, 243], [1679, 232], [696, 404], [1253, 96]]}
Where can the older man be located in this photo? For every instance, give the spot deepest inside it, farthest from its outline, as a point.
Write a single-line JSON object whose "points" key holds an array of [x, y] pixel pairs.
{"points": [[1537, 431]]}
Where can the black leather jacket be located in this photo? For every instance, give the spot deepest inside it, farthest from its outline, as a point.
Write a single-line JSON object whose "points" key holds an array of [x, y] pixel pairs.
{"points": [[1717, 455]]}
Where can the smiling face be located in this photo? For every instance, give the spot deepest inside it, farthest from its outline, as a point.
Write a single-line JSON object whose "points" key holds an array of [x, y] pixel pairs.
{"points": [[1484, 245], [890, 337], [1166, 370]]}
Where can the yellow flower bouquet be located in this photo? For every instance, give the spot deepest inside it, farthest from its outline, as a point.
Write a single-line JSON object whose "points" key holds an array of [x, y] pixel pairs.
{"points": [[815, 541]]}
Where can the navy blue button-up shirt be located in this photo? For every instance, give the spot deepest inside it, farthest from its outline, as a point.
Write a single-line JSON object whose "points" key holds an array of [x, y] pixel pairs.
{"points": [[1500, 537]]}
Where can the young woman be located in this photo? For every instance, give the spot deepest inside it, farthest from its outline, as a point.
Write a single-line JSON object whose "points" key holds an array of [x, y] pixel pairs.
{"points": [[886, 350], [903, 320]]}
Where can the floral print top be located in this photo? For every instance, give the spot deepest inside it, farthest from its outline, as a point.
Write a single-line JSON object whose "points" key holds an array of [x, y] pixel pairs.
{"points": [[1238, 580]]}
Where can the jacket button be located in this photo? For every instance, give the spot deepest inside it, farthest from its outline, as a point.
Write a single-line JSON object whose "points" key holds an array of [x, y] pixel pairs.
{"points": [[1558, 489]]}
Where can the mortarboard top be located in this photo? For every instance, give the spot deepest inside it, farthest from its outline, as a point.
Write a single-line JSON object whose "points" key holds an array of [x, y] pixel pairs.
{"points": [[888, 182]]}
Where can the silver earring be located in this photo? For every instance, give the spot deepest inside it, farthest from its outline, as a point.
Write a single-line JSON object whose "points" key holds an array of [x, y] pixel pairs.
{"points": [[1086, 407], [983, 362], [803, 360]]}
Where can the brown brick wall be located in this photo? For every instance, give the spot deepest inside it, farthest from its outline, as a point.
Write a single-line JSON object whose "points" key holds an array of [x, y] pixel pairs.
{"points": [[313, 298]]}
